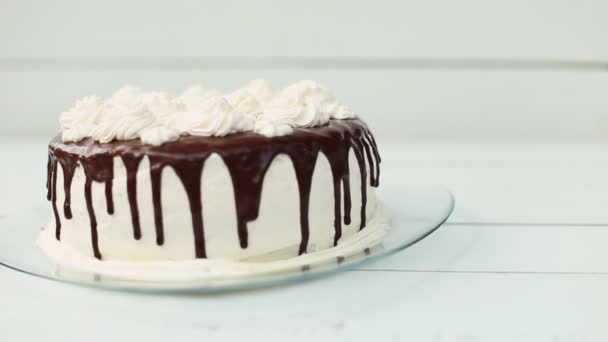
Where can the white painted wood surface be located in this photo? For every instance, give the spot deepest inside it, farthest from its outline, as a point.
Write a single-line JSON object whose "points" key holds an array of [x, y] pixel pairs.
{"points": [[543, 280], [506, 248], [355, 306], [435, 104], [426, 70], [541, 29]]}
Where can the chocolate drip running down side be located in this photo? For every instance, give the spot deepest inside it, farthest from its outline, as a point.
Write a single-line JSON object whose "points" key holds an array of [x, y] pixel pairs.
{"points": [[131, 165], [68, 165], [247, 157]]}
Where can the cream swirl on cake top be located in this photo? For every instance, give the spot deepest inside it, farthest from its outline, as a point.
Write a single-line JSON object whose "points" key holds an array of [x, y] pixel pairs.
{"points": [[212, 115], [78, 122], [157, 118]]}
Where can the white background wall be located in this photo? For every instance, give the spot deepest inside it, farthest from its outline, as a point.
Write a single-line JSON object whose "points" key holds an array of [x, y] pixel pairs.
{"points": [[458, 70]]}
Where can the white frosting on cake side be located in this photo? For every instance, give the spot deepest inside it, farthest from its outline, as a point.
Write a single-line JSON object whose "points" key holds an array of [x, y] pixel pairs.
{"points": [[74, 264], [156, 117], [274, 235]]}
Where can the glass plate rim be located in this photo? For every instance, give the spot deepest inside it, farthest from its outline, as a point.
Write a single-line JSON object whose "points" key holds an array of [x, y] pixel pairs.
{"points": [[272, 280]]}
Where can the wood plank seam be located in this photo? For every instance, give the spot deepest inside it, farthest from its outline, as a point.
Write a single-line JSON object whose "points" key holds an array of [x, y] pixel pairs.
{"points": [[524, 224], [396, 270], [284, 62]]}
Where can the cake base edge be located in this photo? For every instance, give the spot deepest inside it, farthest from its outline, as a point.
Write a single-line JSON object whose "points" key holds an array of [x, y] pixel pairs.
{"points": [[72, 263]]}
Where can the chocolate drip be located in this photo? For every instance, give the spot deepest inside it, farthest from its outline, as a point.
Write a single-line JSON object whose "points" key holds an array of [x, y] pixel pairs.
{"points": [[377, 156], [68, 166], [156, 170], [247, 172], [358, 150], [247, 157], [98, 168], [132, 164], [89, 199], [304, 166], [373, 140], [54, 200], [347, 199], [337, 154], [109, 197], [190, 173], [49, 174], [372, 168], [337, 211]]}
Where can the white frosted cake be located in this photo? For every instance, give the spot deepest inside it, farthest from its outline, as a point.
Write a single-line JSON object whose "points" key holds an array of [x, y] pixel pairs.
{"points": [[256, 175]]}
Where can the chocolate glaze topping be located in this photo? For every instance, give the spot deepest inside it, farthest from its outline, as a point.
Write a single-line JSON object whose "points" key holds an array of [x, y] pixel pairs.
{"points": [[247, 157]]}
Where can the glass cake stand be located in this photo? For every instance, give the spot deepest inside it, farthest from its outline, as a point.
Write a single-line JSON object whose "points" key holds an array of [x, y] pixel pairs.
{"points": [[414, 214]]}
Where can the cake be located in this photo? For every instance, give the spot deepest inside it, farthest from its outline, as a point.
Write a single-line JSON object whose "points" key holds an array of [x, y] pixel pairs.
{"points": [[255, 175]]}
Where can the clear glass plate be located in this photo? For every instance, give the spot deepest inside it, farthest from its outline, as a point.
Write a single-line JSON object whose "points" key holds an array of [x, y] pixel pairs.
{"points": [[414, 214]]}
